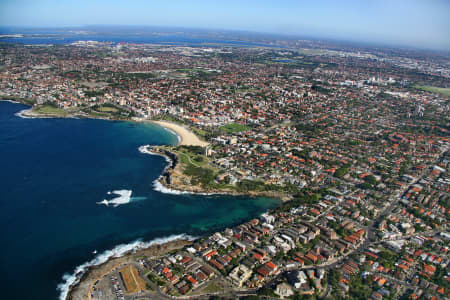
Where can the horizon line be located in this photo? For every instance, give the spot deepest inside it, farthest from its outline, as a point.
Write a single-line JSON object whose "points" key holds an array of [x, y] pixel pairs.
{"points": [[301, 36]]}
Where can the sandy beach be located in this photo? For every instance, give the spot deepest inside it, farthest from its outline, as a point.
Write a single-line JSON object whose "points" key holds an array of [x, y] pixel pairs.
{"points": [[187, 137]]}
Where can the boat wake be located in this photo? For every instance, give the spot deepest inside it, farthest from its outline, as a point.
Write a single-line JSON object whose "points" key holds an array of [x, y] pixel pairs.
{"points": [[70, 280]]}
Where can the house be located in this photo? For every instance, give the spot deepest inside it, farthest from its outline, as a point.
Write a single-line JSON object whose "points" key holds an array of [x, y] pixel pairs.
{"points": [[311, 257], [272, 266], [200, 276], [267, 218], [208, 271], [264, 271], [284, 290], [216, 264], [191, 280], [209, 254], [184, 289], [240, 275], [296, 278]]}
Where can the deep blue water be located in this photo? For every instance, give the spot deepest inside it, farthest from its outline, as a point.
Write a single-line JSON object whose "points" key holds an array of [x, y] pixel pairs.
{"points": [[52, 173]]}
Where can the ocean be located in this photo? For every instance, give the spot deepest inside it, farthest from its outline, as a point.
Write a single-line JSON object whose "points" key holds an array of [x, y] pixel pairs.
{"points": [[53, 38], [52, 174]]}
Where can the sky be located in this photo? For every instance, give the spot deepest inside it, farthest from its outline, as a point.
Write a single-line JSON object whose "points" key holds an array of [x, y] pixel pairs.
{"points": [[417, 23]]}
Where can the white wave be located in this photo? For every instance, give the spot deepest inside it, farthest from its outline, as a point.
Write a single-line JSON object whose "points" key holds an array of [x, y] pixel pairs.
{"points": [[104, 202], [159, 187], [145, 149], [11, 101], [124, 198], [174, 133], [23, 114], [74, 278]]}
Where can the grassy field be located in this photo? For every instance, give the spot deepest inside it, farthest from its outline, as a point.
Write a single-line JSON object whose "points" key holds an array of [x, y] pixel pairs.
{"points": [[234, 127], [199, 132], [51, 110], [155, 279], [195, 165], [107, 109], [133, 283], [188, 157], [433, 89], [212, 287]]}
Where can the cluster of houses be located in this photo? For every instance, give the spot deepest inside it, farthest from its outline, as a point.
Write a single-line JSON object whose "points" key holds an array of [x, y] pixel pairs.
{"points": [[180, 272], [360, 156]]}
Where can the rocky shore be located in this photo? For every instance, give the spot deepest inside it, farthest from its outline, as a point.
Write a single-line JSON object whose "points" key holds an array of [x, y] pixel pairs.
{"points": [[80, 290], [31, 113], [173, 178]]}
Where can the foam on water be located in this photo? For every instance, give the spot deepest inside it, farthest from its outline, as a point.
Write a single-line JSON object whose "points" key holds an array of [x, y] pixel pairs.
{"points": [[11, 101], [145, 150], [22, 114], [124, 198], [159, 187], [72, 279], [174, 133]]}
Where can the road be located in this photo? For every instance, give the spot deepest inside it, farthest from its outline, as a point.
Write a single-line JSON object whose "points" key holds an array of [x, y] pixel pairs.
{"points": [[369, 239]]}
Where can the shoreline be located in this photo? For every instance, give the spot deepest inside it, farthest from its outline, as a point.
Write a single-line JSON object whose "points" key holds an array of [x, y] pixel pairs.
{"points": [[186, 136], [171, 179], [11, 101], [78, 284], [81, 279]]}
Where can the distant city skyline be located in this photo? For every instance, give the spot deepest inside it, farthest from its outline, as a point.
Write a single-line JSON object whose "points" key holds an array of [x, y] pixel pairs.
{"points": [[417, 23]]}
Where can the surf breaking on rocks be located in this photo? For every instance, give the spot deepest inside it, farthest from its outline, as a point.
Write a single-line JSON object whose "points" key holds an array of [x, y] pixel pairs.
{"points": [[70, 280]]}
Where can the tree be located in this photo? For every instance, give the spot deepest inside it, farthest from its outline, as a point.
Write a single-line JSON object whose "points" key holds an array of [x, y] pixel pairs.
{"points": [[370, 180], [334, 277], [341, 172]]}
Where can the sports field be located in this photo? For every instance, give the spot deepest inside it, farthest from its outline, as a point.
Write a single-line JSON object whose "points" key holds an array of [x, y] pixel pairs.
{"points": [[131, 279]]}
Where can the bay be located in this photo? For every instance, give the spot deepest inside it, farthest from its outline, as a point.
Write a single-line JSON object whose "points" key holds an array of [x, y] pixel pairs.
{"points": [[52, 174]]}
